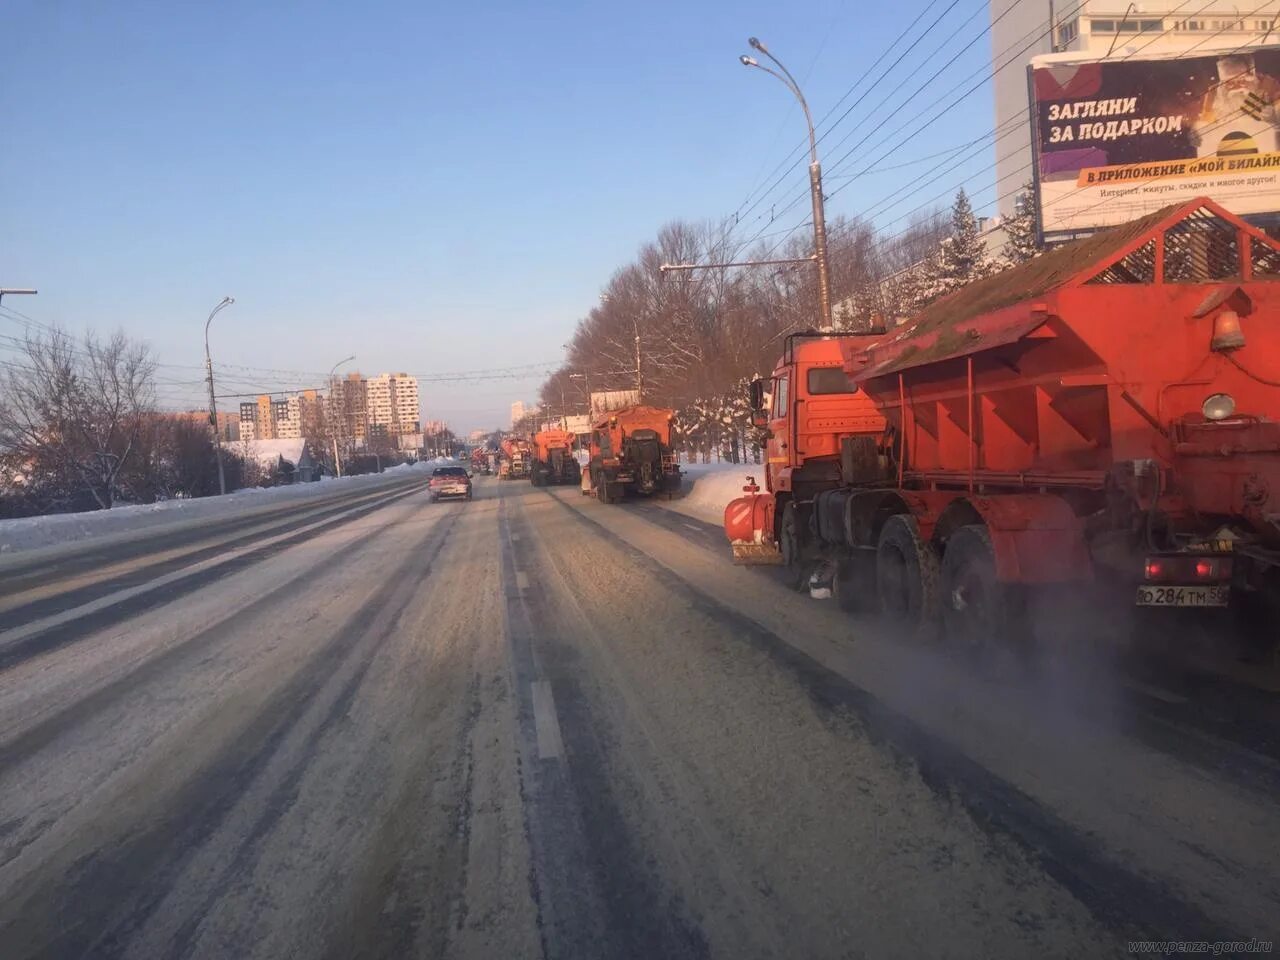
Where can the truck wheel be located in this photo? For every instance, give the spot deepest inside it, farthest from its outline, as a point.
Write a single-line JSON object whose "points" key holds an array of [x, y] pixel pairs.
{"points": [[977, 609], [907, 577], [789, 544], [602, 489]]}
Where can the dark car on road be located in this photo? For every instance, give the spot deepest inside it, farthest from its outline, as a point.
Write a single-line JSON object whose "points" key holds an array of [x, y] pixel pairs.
{"points": [[450, 482]]}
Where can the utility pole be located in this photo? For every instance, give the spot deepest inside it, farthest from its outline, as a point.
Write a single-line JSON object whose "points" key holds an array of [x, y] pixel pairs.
{"points": [[338, 416], [639, 375], [815, 190], [586, 388], [815, 177], [213, 403]]}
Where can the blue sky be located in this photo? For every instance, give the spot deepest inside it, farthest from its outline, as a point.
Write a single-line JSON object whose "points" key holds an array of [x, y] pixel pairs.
{"points": [[431, 187]]}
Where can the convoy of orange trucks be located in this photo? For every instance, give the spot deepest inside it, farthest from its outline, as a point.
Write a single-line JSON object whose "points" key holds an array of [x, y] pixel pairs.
{"points": [[631, 454], [553, 459], [1106, 412]]}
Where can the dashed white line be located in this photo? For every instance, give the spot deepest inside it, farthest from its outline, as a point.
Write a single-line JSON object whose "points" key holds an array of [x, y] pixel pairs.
{"points": [[545, 722], [522, 580]]}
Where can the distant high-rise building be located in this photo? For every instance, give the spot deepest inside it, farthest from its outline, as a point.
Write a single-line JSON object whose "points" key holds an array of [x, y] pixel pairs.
{"points": [[393, 404], [517, 412], [355, 408]]}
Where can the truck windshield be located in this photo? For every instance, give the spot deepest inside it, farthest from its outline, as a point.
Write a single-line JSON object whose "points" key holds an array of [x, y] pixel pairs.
{"points": [[828, 380]]}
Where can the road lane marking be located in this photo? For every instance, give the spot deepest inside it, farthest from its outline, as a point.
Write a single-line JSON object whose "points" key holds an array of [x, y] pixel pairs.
{"points": [[522, 580], [690, 526], [545, 722]]}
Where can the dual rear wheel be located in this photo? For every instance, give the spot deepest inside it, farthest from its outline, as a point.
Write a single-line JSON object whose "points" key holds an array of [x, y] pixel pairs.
{"points": [[917, 591]]}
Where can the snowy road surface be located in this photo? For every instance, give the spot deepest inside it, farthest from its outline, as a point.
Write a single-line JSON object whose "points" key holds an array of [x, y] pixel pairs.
{"points": [[533, 725]]}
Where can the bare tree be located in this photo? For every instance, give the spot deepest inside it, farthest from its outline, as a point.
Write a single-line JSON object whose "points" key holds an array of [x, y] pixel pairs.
{"points": [[76, 413]]}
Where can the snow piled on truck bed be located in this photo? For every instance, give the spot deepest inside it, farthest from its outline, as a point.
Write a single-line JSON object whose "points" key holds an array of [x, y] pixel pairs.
{"points": [[31, 533], [708, 488]]}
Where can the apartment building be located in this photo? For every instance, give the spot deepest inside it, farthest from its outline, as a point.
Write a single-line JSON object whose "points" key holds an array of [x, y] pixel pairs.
{"points": [[348, 406], [264, 418], [393, 404], [1107, 29], [355, 407]]}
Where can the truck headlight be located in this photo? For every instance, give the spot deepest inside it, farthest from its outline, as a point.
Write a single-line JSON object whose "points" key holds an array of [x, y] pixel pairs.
{"points": [[1218, 407]]}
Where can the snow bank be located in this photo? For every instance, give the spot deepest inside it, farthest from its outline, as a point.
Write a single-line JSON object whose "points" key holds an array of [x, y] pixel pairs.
{"points": [[708, 488], [31, 533]]}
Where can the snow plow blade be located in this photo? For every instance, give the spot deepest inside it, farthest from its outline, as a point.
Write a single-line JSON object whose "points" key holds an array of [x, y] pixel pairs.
{"points": [[756, 554]]}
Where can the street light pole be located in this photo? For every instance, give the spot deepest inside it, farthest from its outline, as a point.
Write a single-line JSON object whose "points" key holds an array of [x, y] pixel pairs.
{"points": [[815, 177], [27, 291], [213, 404], [333, 389]]}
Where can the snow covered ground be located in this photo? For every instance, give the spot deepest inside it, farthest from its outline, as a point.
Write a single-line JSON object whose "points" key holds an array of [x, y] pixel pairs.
{"points": [[708, 488], [31, 533]]}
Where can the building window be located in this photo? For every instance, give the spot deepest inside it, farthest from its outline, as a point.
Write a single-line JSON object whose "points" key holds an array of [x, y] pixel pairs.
{"points": [[1068, 32], [1126, 26]]}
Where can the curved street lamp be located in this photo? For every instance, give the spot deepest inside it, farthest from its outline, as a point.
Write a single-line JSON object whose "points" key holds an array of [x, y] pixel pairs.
{"points": [[333, 388], [815, 175], [213, 404]]}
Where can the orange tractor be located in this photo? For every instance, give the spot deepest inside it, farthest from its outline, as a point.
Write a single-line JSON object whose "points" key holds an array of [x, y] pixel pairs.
{"points": [[552, 459], [631, 454], [1108, 412]]}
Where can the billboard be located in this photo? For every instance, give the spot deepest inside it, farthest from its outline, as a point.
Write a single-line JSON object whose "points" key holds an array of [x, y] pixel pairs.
{"points": [[578, 423], [1117, 139], [608, 400]]}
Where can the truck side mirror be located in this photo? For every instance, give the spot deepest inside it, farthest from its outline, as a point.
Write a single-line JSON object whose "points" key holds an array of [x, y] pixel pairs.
{"points": [[759, 419], [756, 393]]}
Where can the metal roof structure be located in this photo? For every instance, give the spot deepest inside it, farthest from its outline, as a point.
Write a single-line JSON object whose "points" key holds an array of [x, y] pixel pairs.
{"points": [[1196, 241]]}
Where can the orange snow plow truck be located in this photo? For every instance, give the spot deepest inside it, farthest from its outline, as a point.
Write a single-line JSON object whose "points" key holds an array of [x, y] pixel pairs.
{"points": [[631, 454], [552, 459], [1109, 412], [514, 459]]}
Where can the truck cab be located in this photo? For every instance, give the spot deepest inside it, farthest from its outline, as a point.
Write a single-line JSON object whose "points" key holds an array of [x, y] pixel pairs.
{"points": [[821, 432], [810, 409]]}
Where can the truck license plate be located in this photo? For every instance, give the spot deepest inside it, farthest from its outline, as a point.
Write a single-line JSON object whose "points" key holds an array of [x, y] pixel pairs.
{"points": [[1183, 596]]}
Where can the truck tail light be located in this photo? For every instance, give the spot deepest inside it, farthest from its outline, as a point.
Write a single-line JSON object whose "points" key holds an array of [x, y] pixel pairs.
{"points": [[1227, 334], [1183, 569]]}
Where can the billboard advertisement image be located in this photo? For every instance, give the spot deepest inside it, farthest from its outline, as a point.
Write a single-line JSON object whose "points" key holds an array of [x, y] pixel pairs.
{"points": [[1117, 139]]}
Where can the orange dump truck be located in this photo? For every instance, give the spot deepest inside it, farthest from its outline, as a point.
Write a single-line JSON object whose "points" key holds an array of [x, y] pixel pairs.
{"points": [[1109, 411], [514, 459], [552, 459], [631, 454]]}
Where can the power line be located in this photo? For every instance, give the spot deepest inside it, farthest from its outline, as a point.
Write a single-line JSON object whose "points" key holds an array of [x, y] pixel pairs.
{"points": [[864, 95], [1028, 165]]}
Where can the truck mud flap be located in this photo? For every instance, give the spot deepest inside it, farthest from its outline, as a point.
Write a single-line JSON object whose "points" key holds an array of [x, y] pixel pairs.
{"points": [[756, 554]]}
